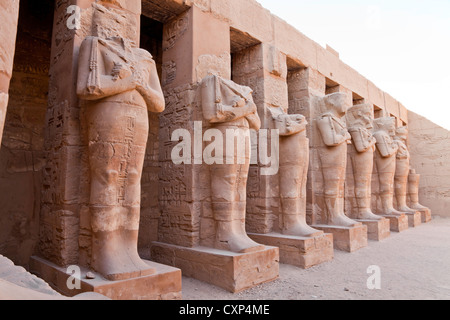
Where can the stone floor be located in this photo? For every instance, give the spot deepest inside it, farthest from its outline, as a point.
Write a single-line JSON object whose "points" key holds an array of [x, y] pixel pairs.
{"points": [[414, 264]]}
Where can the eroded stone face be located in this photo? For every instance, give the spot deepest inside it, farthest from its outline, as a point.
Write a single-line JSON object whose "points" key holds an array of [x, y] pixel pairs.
{"points": [[119, 84]]}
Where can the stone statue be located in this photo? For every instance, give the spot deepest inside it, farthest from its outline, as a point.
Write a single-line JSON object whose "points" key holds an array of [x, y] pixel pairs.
{"points": [[385, 160], [119, 84], [293, 174], [228, 106], [413, 192], [402, 170], [360, 123], [333, 158]]}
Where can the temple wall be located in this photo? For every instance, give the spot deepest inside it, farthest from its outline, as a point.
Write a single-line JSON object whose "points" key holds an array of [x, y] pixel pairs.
{"points": [[430, 151], [43, 160]]}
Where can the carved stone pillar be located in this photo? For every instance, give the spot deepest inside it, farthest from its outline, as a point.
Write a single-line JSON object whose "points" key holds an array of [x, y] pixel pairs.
{"points": [[9, 15], [203, 204], [84, 221]]}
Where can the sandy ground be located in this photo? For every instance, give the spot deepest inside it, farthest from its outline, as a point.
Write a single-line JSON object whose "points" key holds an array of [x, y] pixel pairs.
{"points": [[414, 265]]}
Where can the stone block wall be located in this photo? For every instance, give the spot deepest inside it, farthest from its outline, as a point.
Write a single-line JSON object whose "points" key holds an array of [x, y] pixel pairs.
{"points": [[430, 153]]}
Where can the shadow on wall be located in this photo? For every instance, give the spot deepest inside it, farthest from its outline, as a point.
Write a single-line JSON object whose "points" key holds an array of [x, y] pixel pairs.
{"points": [[21, 154]]}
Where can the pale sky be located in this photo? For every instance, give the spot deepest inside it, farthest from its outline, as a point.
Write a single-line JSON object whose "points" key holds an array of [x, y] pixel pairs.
{"points": [[403, 46]]}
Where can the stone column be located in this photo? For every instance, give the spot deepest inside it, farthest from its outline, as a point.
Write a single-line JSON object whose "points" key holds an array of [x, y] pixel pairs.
{"points": [[197, 45], [66, 229], [9, 15]]}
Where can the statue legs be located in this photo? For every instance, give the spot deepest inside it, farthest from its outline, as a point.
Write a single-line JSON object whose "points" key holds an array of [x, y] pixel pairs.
{"points": [[413, 191], [229, 196], [401, 185], [362, 172], [294, 162], [334, 162], [117, 142], [386, 173]]}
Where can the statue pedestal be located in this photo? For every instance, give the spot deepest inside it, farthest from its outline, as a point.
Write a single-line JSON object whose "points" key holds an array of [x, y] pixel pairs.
{"points": [[165, 284], [426, 215], [297, 251], [231, 271], [398, 223], [348, 239], [377, 230], [414, 219]]}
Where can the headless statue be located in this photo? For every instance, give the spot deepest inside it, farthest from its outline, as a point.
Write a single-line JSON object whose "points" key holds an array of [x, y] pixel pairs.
{"points": [[385, 160], [228, 106], [120, 85], [293, 173], [360, 122], [333, 158]]}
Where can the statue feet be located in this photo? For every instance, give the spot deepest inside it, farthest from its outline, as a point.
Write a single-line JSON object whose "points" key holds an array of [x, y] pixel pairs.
{"points": [[419, 207], [392, 212], [342, 220], [301, 230], [116, 258], [406, 209], [234, 239], [368, 215]]}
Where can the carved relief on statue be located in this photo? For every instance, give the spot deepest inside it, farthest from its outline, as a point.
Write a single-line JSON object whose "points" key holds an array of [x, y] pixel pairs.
{"points": [[333, 158], [119, 84], [229, 106], [385, 161], [360, 125]]}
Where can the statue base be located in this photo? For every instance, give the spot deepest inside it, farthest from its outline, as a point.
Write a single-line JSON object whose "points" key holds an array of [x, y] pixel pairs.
{"points": [[377, 230], [298, 251], [234, 272], [398, 223], [165, 284], [426, 215], [349, 239], [414, 219]]}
